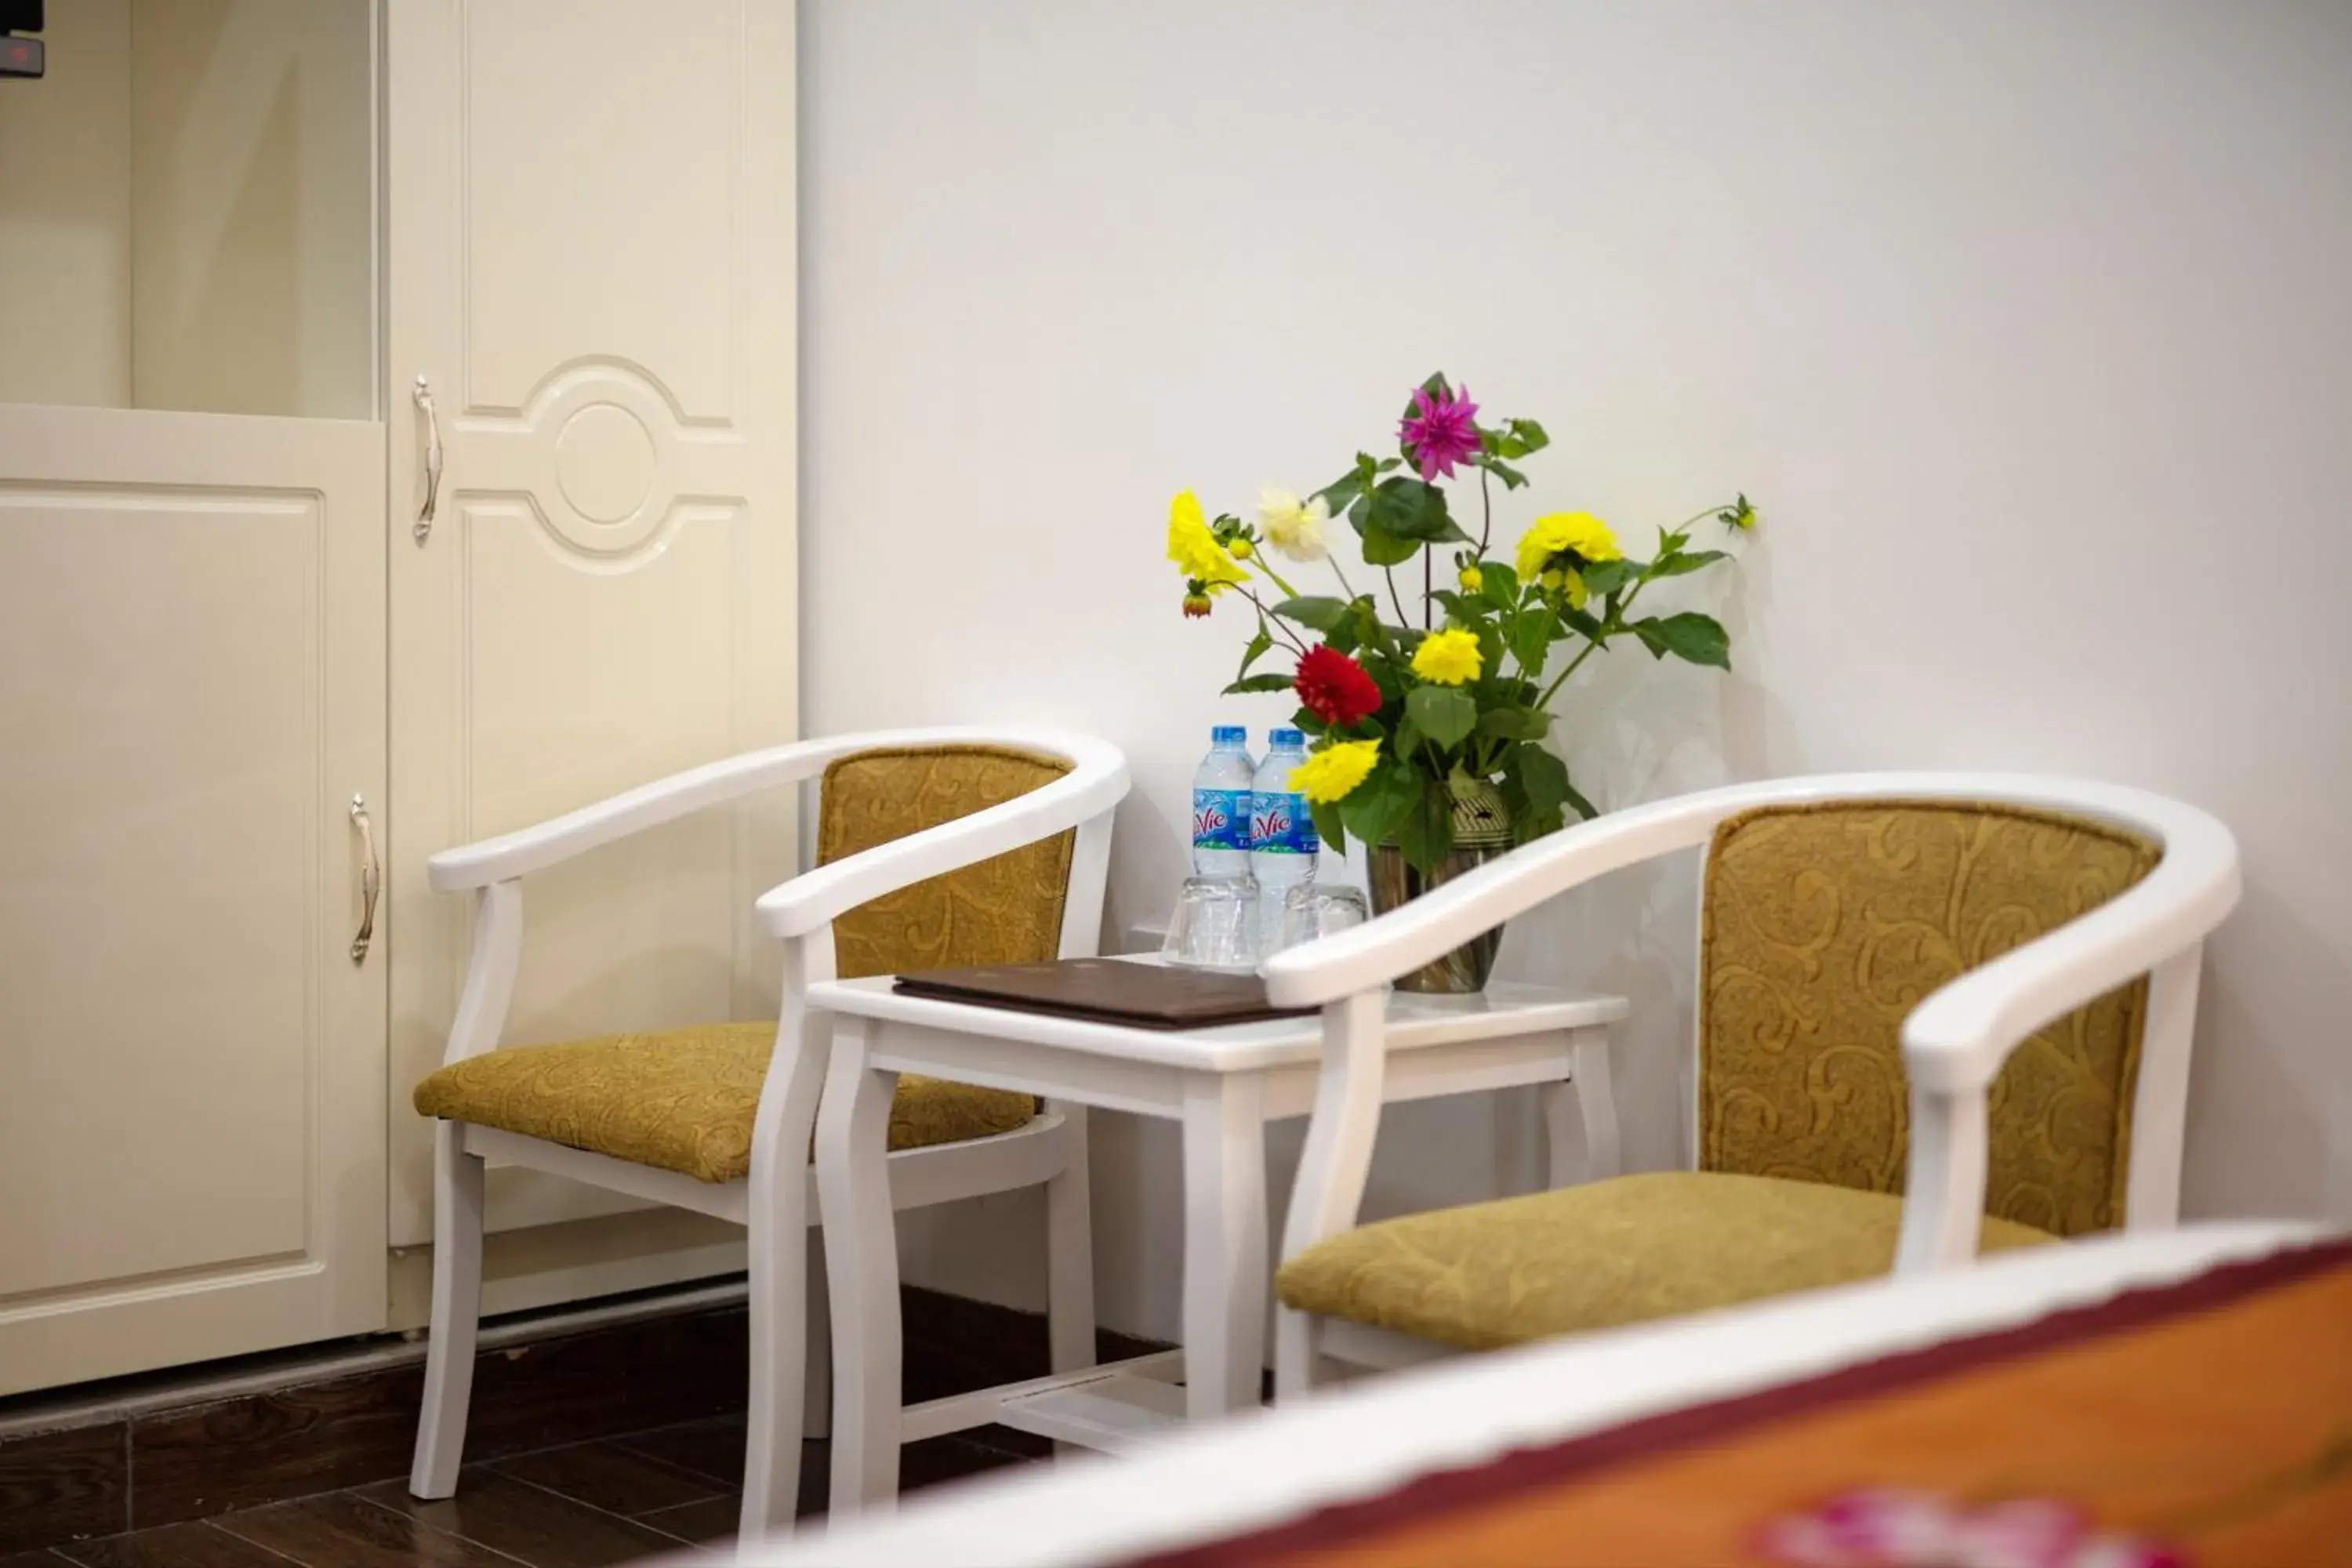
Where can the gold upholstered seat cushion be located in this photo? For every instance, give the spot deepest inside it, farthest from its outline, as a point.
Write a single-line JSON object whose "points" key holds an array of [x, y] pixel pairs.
{"points": [[681, 1099], [1620, 1251]]}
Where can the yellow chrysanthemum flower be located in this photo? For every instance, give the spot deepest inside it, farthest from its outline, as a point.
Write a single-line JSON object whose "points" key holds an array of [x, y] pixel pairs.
{"points": [[1578, 531], [1194, 549], [1332, 774], [1448, 657]]}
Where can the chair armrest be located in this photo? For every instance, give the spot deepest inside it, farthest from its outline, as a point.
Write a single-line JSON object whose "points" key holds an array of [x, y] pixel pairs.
{"points": [[552, 842], [1444, 918], [1096, 782], [1957, 1039]]}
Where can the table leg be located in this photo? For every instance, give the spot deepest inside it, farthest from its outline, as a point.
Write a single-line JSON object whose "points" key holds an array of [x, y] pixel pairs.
{"points": [[1226, 1276], [1595, 1103], [861, 1253]]}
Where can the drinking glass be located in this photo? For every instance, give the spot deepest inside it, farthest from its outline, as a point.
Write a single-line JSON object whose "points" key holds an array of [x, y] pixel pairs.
{"points": [[1318, 909], [1215, 923]]}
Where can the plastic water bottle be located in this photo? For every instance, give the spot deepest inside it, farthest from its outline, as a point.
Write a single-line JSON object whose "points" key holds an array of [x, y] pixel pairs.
{"points": [[1283, 845], [1221, 786]]}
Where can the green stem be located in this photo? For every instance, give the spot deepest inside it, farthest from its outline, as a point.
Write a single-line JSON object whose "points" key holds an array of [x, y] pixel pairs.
{"points": [[1276, 577], [1267, 617], [1428, 583], [1487, 510], [1404, 622]]}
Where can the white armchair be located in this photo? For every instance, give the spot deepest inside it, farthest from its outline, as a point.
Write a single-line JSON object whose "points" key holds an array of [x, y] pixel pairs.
{"points": [[718, 1118], [1861, 933]]}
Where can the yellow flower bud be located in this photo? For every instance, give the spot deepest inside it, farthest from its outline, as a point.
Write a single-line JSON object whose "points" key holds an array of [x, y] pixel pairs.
{"points": [[1471, 579], [1239, 549]]}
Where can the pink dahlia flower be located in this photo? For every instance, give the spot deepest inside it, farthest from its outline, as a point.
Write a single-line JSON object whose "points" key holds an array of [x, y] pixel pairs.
{"points": [[1440, 431]]}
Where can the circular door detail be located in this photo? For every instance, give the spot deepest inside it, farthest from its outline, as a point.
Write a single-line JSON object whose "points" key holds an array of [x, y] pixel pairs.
{"points": [[605, 461]]}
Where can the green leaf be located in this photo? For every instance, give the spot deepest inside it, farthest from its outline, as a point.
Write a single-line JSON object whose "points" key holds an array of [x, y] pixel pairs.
{"points": [[1499, 584], [1686, 562], [1374, 808], [1690, 636], [1543, 779], [1531, 636], [1427, 832], [1512, 479], [1329, 827], [1314, 611], [1405, 508], [1581, 623], [1258, 647], [1342, 492], [1601, 577], [1443, 714], [1515, 723], [1584, 807], [1385, 548], [1267, 682]]}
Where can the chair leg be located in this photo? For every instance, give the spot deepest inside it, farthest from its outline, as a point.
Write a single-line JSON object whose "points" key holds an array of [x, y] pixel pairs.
{"points": [[779, 1267], [861, 1254], [1070, 1250], [1296, 1352], [457, 1314], [816, 1388]]}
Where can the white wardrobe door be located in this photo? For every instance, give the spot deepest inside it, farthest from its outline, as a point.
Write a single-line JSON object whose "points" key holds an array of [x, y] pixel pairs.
{"points": [[591, 262], [191, 679]]}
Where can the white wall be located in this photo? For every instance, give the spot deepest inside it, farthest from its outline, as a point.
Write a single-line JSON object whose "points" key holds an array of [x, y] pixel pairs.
{"points": [[2028, 326]]}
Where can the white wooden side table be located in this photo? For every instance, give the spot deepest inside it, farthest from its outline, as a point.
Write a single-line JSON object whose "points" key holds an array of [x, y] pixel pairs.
{"points": [[1224, 1085]]}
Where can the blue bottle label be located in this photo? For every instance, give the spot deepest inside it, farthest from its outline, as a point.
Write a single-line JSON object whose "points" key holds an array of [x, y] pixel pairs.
{"points": [[1220, 819], [1281, 824]]}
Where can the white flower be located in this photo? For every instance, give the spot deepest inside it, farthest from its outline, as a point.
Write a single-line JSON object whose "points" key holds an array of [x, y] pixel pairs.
{"points": [[1293, 526]]}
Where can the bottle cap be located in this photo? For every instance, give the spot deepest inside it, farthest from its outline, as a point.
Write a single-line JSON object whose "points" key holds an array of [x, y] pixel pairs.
{"points": [[1237, 733], [1287, 737]]}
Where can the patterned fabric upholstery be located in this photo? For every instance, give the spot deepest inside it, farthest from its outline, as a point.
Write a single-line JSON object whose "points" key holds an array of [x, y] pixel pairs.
{"points": [[1003, 910], [683, 1100], [1822, 927], [1597, 1255]]}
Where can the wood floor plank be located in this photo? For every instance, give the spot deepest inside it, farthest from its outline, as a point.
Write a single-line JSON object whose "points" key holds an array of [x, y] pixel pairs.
{"points": [[55, 1486], [340, 1530], [710, 1522], [172, 1546], [543, 1529], [611, 1477], [712, 1448], [35, 1560]]}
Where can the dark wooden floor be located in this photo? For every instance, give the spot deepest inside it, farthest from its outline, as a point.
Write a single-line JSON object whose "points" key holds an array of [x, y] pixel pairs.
{"points": [[616, 1500]]}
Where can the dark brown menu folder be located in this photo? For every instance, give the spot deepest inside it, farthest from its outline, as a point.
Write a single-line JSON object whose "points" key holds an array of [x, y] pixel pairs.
{"points": [[1108, 991]]}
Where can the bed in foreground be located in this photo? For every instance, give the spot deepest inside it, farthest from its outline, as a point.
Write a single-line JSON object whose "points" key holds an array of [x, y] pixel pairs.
{"points": [[2174, 1398]]}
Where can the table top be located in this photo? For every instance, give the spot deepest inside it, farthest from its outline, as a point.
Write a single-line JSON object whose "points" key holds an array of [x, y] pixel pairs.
{"points": [[1371, 1439], [1504, 1009]]}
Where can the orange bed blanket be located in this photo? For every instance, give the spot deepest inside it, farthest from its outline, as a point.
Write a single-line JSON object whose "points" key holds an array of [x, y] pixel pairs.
{"points": [[2204, 1423]]}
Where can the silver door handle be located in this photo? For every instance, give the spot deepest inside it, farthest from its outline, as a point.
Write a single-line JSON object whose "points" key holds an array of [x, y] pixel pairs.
{"points": [[424, 398], [371, 881]]}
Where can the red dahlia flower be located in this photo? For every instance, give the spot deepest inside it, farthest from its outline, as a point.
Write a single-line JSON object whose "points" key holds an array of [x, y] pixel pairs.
{"points": [[1335, 688]]}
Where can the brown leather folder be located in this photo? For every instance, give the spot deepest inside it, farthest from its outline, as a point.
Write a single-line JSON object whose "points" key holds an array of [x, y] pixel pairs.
{"points": [[1108, 990]]}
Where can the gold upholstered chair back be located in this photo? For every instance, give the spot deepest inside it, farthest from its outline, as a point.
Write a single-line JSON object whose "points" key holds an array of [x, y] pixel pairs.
{"points": [[1007, 909], [1823, 925]]}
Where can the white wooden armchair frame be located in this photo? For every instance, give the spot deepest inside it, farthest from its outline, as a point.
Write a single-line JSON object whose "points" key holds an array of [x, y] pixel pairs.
{"points": [[1954, 1042], [776, 1201]]}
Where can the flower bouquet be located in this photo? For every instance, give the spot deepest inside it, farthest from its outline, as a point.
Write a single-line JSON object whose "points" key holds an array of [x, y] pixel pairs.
{"points": [[1427, 723]]}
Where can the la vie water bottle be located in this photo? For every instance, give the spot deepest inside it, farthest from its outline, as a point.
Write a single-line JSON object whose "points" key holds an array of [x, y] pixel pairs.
{"points": [[1222, 787], [1283, 845]]}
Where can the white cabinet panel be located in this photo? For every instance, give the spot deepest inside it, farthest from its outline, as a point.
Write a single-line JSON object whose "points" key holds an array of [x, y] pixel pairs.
{"points": [[190, 1061], [591, 262]]}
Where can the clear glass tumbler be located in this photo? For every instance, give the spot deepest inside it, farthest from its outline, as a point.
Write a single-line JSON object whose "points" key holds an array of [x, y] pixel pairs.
{"points": [[1215, 923], [1318, 910]]}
